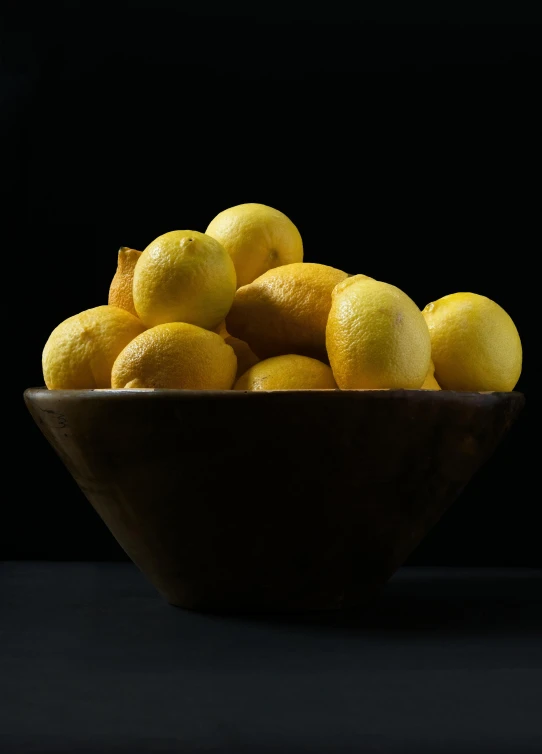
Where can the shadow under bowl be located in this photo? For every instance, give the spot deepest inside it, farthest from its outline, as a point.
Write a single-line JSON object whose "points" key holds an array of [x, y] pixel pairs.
{"points": [[271, 501]]}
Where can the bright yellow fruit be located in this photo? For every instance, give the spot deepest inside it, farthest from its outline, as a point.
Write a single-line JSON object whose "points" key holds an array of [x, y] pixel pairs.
{"points": [[184, 276], [246, 358], [475, 343], [376, 337], [285, 310], [220, 329], [176, 355], [80, 352], [121, 288], [430, 382], [258, 238], [288, 372]]}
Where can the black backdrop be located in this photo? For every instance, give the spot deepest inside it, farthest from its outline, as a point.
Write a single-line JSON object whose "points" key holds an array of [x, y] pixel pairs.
{"points": [[409, 152]]}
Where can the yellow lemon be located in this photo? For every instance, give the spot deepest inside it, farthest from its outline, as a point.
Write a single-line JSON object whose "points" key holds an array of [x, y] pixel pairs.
{"points": [[430, 382], [184, 276], [288, 372], [175, 355], [80, 352], [121, 288], [246, 358], [475, 343], [221, 329], [258, 238], [285, 310], [376, 337]]}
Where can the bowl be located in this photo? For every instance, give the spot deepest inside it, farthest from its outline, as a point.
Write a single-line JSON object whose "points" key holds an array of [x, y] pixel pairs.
{"points": [[271, 501]]}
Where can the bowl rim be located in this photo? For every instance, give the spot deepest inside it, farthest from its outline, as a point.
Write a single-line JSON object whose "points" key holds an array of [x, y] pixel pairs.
{"points": [[419, 395]]}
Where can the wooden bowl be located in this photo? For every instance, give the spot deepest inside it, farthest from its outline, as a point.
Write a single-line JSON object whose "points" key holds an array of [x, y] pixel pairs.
{"points": [[275, 501]]}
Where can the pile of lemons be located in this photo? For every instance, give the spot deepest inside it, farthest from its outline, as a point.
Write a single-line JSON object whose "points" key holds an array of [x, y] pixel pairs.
{"points": [[236, 307]]}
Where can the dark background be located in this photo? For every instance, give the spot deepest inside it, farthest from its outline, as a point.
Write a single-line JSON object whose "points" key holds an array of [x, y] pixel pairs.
{"points": [[407, 151]]}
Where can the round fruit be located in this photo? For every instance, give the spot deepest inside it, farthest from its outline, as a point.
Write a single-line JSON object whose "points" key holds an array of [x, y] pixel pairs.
{"points": [[220, 329], [175, 355], [80, 351], [184, 276], [285, 310], [376, 337], [475, 343], [246, 358], [258, 238], [121, 288], [288, 372], [430, 382]]}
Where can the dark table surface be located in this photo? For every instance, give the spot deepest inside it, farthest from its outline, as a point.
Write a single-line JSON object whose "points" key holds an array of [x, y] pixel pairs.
{"points": [[93, 660]]}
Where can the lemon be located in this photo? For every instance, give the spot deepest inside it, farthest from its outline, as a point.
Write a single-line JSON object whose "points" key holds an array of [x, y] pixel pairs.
{"points": [[376, 337], [430, 382], [285, 310], [184, 276], [221, 329], [475, 343], [258, 238], [175, 355], [246, 358], [121, 288], [287, 372], [80, 352]]}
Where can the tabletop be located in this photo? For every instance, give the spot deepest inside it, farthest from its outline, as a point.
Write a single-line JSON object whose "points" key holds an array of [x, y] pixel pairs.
{"points": [[92, 659]]}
